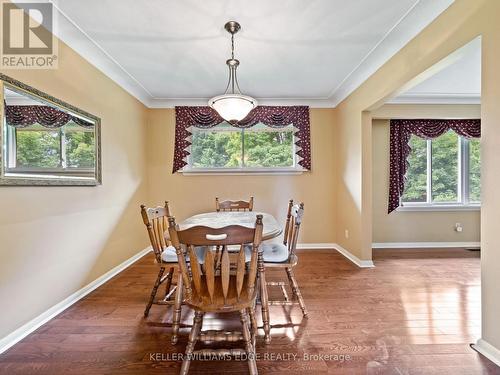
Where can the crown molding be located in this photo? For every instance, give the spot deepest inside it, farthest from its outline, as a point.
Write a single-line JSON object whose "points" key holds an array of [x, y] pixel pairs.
{"points": [[435, 98], [415, 19]]}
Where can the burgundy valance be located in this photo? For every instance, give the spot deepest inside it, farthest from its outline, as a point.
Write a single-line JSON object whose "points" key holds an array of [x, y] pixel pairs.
{"points": [[22, 116], [272, 116], [402, 130]]}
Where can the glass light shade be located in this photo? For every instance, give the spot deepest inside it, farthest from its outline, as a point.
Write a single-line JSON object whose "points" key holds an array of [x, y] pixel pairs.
{"points": [[233, 107]]}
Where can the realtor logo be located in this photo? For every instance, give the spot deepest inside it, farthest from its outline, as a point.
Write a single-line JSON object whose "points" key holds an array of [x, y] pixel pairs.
{"points": [[27, 36]]}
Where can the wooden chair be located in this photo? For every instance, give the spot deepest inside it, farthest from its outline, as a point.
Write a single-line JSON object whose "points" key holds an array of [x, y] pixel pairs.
{"points": [[282, 255], [234, 205], [156, 223], [223, 287]]}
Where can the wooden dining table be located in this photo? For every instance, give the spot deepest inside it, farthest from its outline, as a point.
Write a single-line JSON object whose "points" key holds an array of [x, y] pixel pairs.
{"points": [[271, 228]]}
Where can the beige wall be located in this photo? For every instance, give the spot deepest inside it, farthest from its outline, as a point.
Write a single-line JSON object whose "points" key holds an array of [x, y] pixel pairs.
{"points": [[463, 21], [54, 240], [411, 111], [193, 194], [412, 226]]}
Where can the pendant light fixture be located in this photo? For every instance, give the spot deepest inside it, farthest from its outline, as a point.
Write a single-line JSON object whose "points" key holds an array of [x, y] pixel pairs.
{"points": [[232, 106]]}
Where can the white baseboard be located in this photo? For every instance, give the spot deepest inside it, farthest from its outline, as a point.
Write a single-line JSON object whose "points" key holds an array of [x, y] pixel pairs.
{"points": [[488, 350], [406, 245], [23, 331], [353, 258], [331, 245]]}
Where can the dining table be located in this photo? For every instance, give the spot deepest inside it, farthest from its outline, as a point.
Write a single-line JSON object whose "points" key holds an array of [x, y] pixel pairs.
{"points": [[271, 228]]}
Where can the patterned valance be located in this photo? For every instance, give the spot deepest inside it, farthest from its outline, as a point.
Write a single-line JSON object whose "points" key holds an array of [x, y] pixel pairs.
{"points": [[22, 116], [402, 130], [272, 116]]}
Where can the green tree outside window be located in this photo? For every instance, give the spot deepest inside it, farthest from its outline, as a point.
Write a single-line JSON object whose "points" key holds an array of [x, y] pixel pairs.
{"points": [[242, 148], [444, 168]]}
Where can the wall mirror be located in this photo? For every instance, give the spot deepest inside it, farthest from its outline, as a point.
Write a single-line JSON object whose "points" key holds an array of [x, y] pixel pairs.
{"points": [[45, 141]]}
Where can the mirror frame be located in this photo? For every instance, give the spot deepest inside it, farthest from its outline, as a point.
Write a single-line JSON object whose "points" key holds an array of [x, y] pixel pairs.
{"points": [[15, 85]]}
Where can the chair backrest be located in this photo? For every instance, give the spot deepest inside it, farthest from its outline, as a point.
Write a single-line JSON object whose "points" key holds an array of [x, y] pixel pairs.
{"points": [[292, 225], [233, 205], [156, 221], [200, 282]]}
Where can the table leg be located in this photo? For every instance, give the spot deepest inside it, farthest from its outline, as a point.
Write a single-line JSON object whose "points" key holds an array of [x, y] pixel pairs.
{"points": [[264, 299]]}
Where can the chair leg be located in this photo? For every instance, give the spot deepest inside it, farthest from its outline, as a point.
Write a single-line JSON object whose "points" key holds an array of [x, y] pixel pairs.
{"points": [[176, 319], [296, 290], [253, 324], [193, 337], [249, 347], [153, 291], [264, 300], [168, 280]]}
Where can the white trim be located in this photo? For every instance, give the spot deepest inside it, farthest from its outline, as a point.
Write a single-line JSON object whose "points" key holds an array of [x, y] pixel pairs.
{"points": [[436, 98], [353, 258], [23, 331], [241, 171], [421, 14], [438, 207], [422, 245], [488, 350], [335, 246]]}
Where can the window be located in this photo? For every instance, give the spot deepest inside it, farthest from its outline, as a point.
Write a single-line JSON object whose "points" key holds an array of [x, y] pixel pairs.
{"points": [[66, 150], [443, 172], [227, 148]]}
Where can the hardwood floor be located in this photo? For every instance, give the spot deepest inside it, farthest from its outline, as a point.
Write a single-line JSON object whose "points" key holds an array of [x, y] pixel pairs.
{"points": [[415, 313]]}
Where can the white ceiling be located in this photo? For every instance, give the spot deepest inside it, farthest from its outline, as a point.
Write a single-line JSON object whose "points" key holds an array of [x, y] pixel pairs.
{"points": [[458, 82], [14, 98], [314, 52]]}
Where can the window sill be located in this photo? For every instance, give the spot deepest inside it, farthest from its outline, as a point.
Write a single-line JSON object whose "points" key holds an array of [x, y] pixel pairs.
{"points": [[439, 207], [241, 171], [74, 173]]}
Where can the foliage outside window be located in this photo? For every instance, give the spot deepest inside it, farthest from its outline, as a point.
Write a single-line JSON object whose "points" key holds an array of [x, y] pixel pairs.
{"points": [[228, 148], [443, 171], [69, 149]]}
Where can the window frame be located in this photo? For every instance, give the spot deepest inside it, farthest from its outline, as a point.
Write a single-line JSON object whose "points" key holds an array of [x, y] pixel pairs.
{"points": [[61, 170], [463, 184], [244, 170]]}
